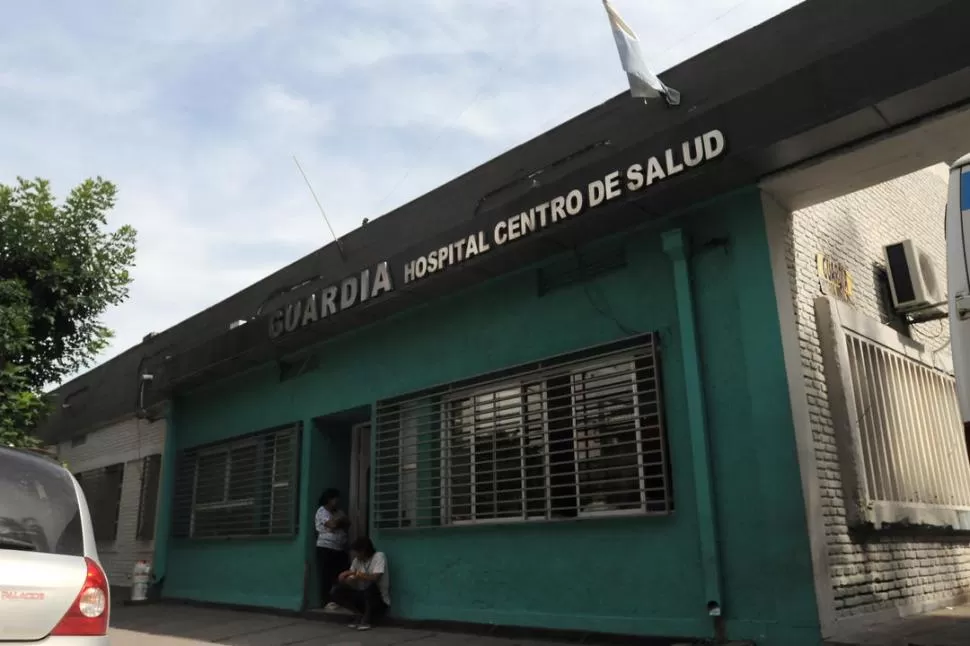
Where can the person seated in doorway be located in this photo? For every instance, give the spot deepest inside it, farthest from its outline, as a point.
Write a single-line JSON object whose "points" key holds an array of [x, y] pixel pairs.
{"points": [[331, 525], [365, 588]]}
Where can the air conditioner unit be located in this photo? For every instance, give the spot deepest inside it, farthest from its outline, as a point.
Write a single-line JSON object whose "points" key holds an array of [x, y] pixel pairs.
{"points": [[913, 279]]}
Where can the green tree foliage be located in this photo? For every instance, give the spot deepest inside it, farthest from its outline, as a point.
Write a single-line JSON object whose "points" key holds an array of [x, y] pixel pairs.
{"points": [[60, 269]]}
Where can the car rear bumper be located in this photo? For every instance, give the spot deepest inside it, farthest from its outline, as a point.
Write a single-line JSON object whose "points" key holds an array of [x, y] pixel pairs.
{"points": [[102, 640]]}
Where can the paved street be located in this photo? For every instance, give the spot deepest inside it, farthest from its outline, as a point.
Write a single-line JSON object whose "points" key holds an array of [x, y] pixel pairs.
{"points": [[176, 625]]}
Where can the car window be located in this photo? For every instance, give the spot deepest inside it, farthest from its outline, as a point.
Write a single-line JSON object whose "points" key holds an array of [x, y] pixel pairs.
{"points": [[38, 506]]}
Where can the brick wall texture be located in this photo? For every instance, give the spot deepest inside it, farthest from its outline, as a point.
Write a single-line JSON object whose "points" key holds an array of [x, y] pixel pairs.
{"points": [[127, 442], [871, 575]]}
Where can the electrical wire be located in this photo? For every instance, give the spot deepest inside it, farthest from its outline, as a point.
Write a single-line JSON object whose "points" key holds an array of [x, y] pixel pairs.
{"points": [[927, 338], [604, 312], [926, 335]]}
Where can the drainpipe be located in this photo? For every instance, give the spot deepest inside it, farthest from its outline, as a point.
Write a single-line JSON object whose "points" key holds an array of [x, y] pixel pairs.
{"points": [[163, 524], [676, 247], [305, 530]]}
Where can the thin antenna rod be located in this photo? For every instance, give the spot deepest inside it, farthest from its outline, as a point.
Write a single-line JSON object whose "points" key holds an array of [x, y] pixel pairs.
{"points": [[340, 247]]}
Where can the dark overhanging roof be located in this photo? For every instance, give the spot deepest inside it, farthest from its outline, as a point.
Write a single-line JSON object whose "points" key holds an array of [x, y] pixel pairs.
{"points": [[823, 75]]}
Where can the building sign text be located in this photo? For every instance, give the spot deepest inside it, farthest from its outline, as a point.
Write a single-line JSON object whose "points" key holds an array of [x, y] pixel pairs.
{"points": [[834, 278], [373, 282]]}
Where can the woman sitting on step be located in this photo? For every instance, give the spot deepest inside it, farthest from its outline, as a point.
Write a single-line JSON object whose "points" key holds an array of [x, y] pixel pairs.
{"points": [[365, 588]]}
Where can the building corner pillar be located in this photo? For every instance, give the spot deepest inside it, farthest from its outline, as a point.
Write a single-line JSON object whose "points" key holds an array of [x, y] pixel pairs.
{"points": [[166, 499]]}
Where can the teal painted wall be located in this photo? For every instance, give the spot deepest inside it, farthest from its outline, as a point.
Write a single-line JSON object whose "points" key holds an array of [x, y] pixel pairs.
{"points": [[767, 568], [617, 575]]}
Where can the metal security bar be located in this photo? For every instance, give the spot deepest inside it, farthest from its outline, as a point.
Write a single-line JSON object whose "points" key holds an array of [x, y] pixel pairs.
{"points": [[578, 436], [102, 490], [903, 454], [912, 439], [246, 487], [148, 497]]}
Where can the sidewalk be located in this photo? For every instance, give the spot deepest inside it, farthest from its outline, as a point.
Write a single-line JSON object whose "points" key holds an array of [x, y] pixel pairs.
{"points": [[181, 625], [946, 627], [178, 625]]}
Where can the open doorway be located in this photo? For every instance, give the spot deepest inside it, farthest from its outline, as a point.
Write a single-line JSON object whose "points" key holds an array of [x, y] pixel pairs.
{"points": [[340, 459]]}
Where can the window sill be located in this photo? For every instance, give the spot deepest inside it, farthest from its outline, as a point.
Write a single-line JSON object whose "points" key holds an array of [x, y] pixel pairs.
{"points": [[255, 538], [616, 513], [890, 517], [496, 521], [584, 518]]}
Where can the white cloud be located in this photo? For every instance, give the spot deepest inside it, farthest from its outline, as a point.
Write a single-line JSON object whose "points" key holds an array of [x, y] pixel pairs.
{"points": [[195, 110], [274, 109]]}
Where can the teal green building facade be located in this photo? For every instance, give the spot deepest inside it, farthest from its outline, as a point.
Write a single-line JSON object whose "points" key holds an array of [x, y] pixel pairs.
{"points": [[734, 526], [728, 553]]}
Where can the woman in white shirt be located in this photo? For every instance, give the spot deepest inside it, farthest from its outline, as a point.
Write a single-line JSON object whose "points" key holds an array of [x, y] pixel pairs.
{"points": [[365, 588], [331, 525]]}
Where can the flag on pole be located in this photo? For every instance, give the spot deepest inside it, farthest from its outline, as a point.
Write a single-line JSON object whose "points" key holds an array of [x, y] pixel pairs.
{"points": [[644, 84]]}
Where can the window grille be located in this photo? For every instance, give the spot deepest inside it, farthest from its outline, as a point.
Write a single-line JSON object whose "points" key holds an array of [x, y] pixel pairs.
{"points": [[901, 443], [576, 436], [912, 443], [102, 490], [148, 497], [246, 487]]}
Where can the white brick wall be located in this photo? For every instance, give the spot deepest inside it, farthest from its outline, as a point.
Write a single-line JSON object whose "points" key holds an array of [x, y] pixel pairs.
{"points": [[891, 572], [129, 441]]}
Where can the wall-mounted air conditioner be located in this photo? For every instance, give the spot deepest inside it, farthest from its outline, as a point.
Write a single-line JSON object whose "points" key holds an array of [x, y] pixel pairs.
{"points": [[913, 279]]}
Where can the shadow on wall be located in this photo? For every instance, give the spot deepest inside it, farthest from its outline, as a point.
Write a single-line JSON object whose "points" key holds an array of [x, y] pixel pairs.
{"points": [[887, 315], [865, 567]]}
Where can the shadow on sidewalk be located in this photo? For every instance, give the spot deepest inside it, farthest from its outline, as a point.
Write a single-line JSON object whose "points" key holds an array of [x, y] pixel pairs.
{"points": [[172, 624]]}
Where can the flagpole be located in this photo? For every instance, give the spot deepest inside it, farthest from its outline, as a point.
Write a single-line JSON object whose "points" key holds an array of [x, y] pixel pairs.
{"points": [[340, 247]]}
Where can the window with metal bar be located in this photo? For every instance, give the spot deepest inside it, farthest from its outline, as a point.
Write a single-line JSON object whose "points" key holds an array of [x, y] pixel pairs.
{"points": [[246, 487], [578, 436], [102, 490], [148, 497], [897, 422]]}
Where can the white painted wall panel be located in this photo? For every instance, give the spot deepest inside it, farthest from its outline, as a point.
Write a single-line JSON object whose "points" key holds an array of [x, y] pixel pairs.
{"points": [[129, 442]]}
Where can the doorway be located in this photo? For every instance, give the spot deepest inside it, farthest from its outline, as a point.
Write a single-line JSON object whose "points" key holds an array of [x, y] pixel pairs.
{"points": [[340, 459]]}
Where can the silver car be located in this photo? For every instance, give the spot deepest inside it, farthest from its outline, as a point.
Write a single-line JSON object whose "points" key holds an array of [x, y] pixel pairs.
{"points": [[52, 587]]}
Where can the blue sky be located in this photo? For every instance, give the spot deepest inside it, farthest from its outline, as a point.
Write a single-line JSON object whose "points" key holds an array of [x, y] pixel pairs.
{"points": [[195, 109]]}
